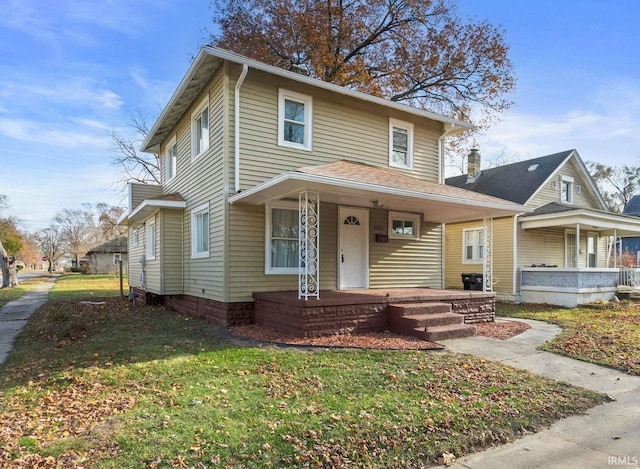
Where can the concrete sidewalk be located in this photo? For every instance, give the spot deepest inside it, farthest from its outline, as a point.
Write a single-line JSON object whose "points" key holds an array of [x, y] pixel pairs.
{"points": [[606, 436], [14, 314]]}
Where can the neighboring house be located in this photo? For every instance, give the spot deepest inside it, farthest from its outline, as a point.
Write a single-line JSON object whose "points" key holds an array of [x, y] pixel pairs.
{"points": [[273, 181], [562, 252], [103, 259], [630, 245]]}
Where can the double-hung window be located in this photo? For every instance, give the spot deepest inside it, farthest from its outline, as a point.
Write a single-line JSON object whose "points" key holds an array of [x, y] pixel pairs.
{"points": [[200, 231], [135, 237], [282, 238], [171, 155], [200, 129], [295, 113], [150, 240], [473, 245], [400, 144], [566, 190]]}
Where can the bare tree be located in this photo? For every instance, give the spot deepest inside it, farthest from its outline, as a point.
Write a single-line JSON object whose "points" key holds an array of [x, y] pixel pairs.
{"points": [[51, 242], [108, 221], [137, 166], [77, 231], [617, 184]]}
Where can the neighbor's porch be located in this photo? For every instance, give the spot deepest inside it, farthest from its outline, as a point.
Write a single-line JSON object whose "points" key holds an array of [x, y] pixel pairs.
{"points": [[364, 310]]}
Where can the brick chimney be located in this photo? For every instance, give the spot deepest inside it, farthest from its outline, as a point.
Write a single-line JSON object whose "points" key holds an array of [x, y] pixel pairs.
{"points": [[473, 165]]}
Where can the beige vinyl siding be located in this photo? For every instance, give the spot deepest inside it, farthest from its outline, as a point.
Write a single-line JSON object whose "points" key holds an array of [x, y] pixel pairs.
{"points": [[342, 129], [152, 267], [134, 255], [138, 193], [502, 254], [247, 253], [171, 222], [586, 199], [404, 263]]}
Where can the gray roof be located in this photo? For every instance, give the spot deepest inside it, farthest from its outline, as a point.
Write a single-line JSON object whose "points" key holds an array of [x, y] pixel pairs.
{"points": [[633, 206], [117, 244], [514, 182]]}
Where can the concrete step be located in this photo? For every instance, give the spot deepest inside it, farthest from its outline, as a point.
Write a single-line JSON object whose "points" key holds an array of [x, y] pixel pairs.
{"points": [[413, 309], [452, 331], [431, 320]]}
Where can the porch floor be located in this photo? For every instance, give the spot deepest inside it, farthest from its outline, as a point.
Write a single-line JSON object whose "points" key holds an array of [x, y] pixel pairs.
{"points": [[358, 311]]}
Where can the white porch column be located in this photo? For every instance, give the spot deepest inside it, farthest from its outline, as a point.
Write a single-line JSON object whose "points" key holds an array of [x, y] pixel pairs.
{"points": [[309, 244], [615, 248], [577, 245], [487, 261]]}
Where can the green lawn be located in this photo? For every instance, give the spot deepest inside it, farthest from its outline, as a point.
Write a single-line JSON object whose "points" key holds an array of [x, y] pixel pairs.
{"points": [[8, 294], [111, 385], [87, 286], [608, 335]]}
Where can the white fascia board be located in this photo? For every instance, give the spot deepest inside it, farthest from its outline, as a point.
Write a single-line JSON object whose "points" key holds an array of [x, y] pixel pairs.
{"points": [[598, 221], [154, 204]]}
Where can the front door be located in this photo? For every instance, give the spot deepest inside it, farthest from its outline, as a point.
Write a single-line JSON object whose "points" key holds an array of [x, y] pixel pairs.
{"points": [[353, 251]]}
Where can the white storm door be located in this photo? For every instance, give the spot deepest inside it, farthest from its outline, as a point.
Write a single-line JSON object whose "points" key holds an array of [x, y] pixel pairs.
{"points": [[353, 249]]}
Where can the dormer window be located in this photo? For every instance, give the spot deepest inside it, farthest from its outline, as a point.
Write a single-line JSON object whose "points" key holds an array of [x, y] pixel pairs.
{"points": [[400, 144], [566, 190]]}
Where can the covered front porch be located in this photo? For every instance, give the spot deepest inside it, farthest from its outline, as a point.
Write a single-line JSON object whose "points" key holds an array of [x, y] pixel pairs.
{"points": [[364, 310], [591, 268]]}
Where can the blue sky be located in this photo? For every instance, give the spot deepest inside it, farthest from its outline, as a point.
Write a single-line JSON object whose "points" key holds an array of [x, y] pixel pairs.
{"points": [[72, 71]]}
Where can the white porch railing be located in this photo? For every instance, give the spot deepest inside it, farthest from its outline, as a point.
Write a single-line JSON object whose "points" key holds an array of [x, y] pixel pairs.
{"points": [[629, 277]]}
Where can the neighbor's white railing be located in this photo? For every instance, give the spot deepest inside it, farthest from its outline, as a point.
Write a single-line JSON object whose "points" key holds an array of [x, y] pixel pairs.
{"points": [[629, 277]]}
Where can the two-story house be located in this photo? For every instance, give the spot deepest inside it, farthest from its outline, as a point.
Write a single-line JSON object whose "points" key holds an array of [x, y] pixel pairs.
{"points": [[274, 181], [562, 252]]}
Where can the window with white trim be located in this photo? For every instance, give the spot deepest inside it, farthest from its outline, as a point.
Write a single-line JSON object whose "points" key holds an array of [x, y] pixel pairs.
{"points": [[135, 237], [592, 249], [200, 129], [170, 159], [295, 115], [473, 245], [400, 144], [566, 190], [404, 225], [200, 231], [150, 240], [282, 238]]}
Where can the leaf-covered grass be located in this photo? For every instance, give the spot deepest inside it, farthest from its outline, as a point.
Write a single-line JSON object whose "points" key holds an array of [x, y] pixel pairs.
{"points": [[608, 334], [110, 386], [84, 287]]}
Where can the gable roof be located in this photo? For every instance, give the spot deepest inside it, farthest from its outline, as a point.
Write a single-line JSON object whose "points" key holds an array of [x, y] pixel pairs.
{"points": [[210, 59], [353, 183], [633, 206], [117, 244], [520, 181]]}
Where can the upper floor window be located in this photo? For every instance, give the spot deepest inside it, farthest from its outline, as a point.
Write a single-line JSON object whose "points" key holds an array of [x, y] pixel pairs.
{"points": [[200, 129], [150, 240], [295, 112], [282, 228], [473, 245], [404, 225], [200, 231], [566, 190], [171, 155], [400, 144]]}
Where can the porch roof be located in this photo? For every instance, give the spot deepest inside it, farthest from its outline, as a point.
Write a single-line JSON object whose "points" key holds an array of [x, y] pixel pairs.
{"points": [[358, 184], [558, 215], [148, 206]]}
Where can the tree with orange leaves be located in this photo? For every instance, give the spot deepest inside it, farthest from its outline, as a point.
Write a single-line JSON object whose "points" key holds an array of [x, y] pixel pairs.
{"points": [[415, 51]]}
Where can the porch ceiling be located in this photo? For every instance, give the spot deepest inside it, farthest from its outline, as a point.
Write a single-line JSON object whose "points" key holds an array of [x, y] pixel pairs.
{"points": [[607, 224], [355, 184]]}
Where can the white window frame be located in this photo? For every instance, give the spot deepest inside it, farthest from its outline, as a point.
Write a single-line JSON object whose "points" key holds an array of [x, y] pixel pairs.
{"points": [[566, 181], [287, 205], [197, 127], [136, 237], [307, 102], [475, 257], [150, 239], [170, 159], [592, 235], [196, 213], [117, 257], [408, 127], [399, 216], [570, 249]]}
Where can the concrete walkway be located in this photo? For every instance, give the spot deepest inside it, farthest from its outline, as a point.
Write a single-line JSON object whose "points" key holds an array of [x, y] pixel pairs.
{"points": [[606, 436], [14, 314]]}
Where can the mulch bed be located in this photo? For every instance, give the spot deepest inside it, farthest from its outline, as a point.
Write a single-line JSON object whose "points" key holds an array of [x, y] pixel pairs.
{"points": [[379, 340]]}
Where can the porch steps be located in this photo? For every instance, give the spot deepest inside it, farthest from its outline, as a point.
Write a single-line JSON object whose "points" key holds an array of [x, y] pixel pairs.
{"points": [[430, 321]]}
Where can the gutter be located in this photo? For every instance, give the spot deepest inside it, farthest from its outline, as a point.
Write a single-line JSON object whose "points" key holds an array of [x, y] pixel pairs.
{"points": [[236, 138]]}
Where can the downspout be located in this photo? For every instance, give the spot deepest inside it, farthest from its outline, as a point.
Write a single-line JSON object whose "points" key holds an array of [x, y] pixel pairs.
{"points": [[236, 130], [441, 152], [515, 259]]}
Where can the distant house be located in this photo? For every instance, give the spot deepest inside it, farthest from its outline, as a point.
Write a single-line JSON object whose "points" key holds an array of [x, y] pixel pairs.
{"points": [[630, 245], [561, 252], [103, 259]]}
